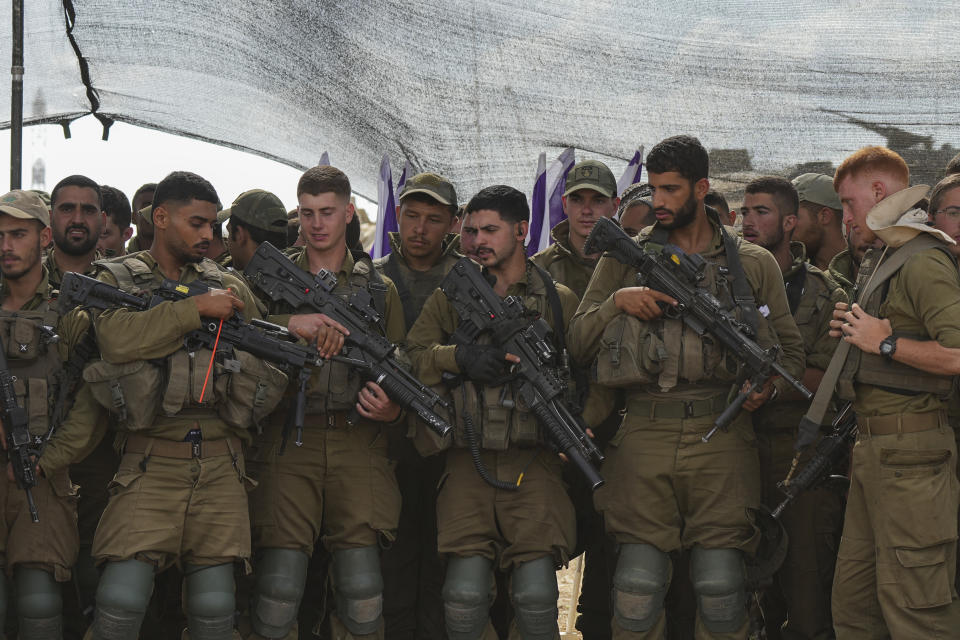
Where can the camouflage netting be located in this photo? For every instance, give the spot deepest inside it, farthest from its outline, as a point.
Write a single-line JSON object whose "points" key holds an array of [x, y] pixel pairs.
{"points": [[477, 90]]}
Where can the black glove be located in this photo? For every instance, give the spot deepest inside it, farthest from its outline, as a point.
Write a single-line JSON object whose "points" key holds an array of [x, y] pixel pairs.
{"points": [[482, 362]]}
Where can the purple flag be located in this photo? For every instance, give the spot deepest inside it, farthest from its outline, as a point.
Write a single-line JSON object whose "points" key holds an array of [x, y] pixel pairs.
{"points": [[407, 172], [546, 211], [324, 159], [632, 173], [386, 211]]}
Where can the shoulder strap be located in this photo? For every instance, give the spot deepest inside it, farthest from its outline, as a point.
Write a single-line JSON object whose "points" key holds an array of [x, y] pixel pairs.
{"points": [[811, 422], [369, 278], [392, 270], [795, 285], [553, 299]]}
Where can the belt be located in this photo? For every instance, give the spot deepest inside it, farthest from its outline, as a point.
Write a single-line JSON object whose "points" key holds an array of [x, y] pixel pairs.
{"points": [[182, 450], [900, 423], [677, 409]]}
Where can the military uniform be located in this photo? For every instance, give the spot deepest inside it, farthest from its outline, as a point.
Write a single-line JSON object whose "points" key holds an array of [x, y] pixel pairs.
{"points": [[56, 275], [843, 271], [135, 245], [340, 484], [897, 559], [47, 548], [666, 490], [563, 262], [412, 568], [801, 591], [528, 531]]}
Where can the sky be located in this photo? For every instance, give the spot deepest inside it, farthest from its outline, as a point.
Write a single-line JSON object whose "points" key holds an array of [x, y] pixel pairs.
{"points": [[135, 155]]}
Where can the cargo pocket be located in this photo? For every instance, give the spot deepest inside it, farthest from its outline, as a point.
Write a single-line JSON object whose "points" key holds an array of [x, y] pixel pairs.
{"points": [[123, 479], [128, 391], [384, 500], [253, 389], [629, 354], [920, 497], [923, 576]]}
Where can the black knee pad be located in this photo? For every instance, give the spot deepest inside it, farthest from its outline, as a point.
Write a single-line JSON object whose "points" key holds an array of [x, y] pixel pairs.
{"points": [[358, 587], [210, 602], [718, 580], [640, 585], [280, 578], [466, 597], [534, 594]]}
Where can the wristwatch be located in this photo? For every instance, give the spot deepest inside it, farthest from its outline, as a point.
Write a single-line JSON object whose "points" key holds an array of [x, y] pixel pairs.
{"points": [[888, 347]]}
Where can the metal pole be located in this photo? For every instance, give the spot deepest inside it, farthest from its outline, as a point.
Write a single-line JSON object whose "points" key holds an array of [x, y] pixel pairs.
{"points": [[16, 98]]}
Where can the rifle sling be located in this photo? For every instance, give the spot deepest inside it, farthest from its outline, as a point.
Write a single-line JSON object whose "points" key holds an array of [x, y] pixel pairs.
{"points": [[392, 269], [811, 422]]}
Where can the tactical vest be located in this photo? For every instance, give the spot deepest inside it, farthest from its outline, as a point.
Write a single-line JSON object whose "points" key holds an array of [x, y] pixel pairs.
{"points": [[663, 353], [34, 362], [334, 386], [875, 370], [241, 389], [499, 417]]}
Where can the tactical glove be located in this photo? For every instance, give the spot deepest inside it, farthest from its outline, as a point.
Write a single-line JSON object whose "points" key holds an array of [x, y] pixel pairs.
{"points": [[482, 363]]}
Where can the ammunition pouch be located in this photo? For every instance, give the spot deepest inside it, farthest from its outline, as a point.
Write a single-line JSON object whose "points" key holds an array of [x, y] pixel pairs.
{"points": [[333, 387], [34, 364], [498, 417], [128, 391], [630, 355]]}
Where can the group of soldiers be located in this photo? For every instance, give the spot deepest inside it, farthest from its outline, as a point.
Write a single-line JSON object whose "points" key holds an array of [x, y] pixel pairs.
{"points": [[171, 496]]}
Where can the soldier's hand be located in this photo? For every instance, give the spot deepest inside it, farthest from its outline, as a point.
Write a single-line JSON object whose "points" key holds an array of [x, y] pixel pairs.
{"points": [[217, 303], [320, 328], [374, 404], [486, 364], [839, 311], [642, 302], [37, 471], [757, 398], [862, 330]]}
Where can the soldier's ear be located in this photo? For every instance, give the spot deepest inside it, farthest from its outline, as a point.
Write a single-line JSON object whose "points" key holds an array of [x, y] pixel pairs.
{"points": [[522, 229], [161, 217], [700, 188]]}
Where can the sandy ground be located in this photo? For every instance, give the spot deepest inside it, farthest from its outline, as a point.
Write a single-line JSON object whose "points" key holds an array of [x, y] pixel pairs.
{"points": [[566, 579]]}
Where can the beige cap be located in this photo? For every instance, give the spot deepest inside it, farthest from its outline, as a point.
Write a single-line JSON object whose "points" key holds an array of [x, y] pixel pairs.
{"points": [[896, 220], [25, 205]]}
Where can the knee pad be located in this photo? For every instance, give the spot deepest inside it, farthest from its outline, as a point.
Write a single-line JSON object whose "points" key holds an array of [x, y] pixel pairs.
{"points": [[718, 581], [39, 604], [640, 584], [358, 587], [280, 578], [466, 597], [534, 594], [122, 597], [210, 602]]}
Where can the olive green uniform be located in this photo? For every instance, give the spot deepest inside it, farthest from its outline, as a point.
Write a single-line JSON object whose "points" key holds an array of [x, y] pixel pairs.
{"points": [[136, 244], [665, 488], [340, 483], [563, 262], [897, 559], [412, 568], [56, 274], [801, 591], [52, 543], [843, 271], [474, 519]]}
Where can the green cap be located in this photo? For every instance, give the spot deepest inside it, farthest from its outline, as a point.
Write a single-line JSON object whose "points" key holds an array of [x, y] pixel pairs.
{"points": [[146, 216], [25, 205], [591, 174], [257, 208], [437, 187], [818, 189]]}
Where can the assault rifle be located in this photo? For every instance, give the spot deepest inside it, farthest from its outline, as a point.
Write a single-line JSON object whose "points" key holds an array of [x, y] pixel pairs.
{"points": [[365, 349], [21, 447], [262, 339], [540, 384], [830, 450], [678, 274]]}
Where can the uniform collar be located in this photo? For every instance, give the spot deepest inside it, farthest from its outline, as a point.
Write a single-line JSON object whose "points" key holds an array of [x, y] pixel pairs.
{"points": [[42, 295], [799, 253]]}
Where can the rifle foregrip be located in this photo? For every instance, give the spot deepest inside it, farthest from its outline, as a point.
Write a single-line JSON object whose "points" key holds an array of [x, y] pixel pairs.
{"points": [[409, 398]]}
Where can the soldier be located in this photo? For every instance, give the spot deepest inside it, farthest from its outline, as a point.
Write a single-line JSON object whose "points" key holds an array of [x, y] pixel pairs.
{"points": [[591, 193], [799, 600], [142, 197], [256, 216], [179, 495], [38, 556], [340, 483], [636, 208], [665, 489], [897, 558], [716, 200], [117, 229], [77, 220], [422, 253], [818, 219], [944, 209], [530, 530]]}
